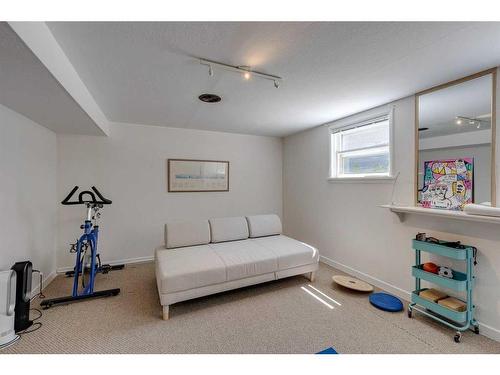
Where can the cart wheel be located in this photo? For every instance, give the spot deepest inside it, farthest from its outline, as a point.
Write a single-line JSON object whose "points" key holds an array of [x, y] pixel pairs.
{"points": [[409, 313], [457, 337], [476, 330]]}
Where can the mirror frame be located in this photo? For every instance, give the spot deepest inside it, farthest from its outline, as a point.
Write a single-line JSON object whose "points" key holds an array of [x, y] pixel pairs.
{"points": [[493, 72]]}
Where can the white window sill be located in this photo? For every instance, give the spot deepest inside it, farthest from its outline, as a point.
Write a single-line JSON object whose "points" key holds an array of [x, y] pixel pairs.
{"points": [[363, 180]]}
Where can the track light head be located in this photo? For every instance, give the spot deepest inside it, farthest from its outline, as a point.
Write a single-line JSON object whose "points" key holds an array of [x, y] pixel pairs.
{"points": [[210, 71], [277, 84], [246, 71]]}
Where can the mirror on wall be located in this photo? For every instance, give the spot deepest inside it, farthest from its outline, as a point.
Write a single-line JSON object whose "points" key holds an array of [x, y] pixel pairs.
{"points": [[455, 127]]}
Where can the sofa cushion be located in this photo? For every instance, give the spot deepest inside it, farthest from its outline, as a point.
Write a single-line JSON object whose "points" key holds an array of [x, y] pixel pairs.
{"points": [[245, 259], [228, 228], [290, 252], [188, 268], [187, 234], [264, 225]]}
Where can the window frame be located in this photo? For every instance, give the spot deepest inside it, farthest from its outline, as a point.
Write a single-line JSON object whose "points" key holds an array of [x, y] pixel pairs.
{"points": [[362, 121]]}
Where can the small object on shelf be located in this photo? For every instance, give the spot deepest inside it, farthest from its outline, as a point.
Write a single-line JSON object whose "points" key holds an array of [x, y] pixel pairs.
{"points": [[432, 240], [386, 302], [433, 295], [420, 236], [430, 267], [482, 209], [445, 272], [352, 283], [453, 304]]}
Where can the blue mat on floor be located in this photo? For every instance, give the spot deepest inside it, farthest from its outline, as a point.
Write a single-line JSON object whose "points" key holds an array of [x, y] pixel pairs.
{"points": [[386, 302], [328, 351]]}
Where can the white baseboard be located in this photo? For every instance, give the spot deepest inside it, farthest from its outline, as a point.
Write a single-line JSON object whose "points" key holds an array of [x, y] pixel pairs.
{"points": [[489, 331], [484, 329], [401, 293], [113, 263]]}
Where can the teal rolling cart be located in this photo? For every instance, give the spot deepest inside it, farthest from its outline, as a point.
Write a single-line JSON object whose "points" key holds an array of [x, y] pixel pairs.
{"points": [[461, 282]]}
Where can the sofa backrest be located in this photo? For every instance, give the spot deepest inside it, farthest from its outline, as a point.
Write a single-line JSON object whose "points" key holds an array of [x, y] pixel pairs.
{"points": [[264, 225], [202, 232], [187, 234], [228, 228]]}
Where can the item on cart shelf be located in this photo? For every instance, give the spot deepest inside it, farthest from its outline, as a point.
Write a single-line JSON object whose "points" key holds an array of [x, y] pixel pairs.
{"points": [[430, 267], [433, 295], [453, 304], [445, 272], [432, 240], [420, 236]]}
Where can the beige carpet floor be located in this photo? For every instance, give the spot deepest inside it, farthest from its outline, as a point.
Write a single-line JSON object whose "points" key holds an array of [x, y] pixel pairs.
{"points": [[276, 317]]}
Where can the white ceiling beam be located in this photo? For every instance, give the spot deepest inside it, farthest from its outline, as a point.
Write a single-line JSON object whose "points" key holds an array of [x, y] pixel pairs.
{"points": [[37, 36]]}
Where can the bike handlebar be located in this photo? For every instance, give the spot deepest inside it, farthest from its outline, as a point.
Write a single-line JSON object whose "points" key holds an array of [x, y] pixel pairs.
{"points": [[103, 200]]}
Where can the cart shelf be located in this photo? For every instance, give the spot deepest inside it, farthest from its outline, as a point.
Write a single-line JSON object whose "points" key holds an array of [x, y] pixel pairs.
{"points": [[456, 316], [446, 251], [458, 283]]}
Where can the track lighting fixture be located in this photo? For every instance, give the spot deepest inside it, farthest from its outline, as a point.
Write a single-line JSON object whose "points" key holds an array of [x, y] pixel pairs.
{"points": [[459, 120], [246, 71]]}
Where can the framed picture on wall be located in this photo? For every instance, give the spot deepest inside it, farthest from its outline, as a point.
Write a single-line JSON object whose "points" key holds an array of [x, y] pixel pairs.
{"points": [[187, 175], [448, 184]]}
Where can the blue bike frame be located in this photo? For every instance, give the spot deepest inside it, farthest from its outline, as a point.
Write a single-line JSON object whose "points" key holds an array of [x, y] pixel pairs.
{"points": [[90, 236], [87, 240]]}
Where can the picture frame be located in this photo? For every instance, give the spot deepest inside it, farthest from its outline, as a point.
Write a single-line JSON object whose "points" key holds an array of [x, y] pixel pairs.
{"points": [[194, 175], [448, 183]]}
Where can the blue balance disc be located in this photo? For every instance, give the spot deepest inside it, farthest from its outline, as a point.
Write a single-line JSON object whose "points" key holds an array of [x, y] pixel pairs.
{"points": [[386, 302]]}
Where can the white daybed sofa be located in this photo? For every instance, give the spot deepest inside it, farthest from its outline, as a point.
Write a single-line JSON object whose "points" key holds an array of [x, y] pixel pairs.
{"points": [[210, 256]]}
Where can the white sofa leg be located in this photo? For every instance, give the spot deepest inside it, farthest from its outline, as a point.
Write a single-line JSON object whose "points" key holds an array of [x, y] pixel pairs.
{"points": [[311, 276], [165, 312]]}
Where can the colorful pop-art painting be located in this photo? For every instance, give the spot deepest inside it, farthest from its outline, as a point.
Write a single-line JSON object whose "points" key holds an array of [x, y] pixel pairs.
{"points": [[448, 184]]}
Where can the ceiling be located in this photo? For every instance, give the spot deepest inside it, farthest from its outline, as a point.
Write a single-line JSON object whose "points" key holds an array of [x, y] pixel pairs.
{"points": [[439, 109], [27, 87], [148, 73]]}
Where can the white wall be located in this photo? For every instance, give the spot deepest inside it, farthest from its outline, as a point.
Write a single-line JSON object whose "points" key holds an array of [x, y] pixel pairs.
{"points": [[129, 167], [352, 233], [28, 210]]}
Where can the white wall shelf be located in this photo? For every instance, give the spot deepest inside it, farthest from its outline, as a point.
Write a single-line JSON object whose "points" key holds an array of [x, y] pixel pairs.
{"points": [[402, 211]]}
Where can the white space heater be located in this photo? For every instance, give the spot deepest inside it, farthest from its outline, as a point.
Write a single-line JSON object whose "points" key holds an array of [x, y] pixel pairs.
{"points": [[7, 304]]}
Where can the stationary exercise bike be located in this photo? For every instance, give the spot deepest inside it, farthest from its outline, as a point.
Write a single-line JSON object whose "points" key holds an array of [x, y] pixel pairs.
{"points": [[88, 262]]}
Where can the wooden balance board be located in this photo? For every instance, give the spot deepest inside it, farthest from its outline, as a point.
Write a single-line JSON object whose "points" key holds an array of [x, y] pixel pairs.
{"points": [[352, 283]]}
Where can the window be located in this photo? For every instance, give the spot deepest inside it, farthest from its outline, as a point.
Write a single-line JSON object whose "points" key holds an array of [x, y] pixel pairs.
{"points": [[362, 150]]}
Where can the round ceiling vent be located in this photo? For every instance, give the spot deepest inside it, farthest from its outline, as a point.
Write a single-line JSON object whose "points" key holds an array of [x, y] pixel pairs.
{"points": [[209, 98]]}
